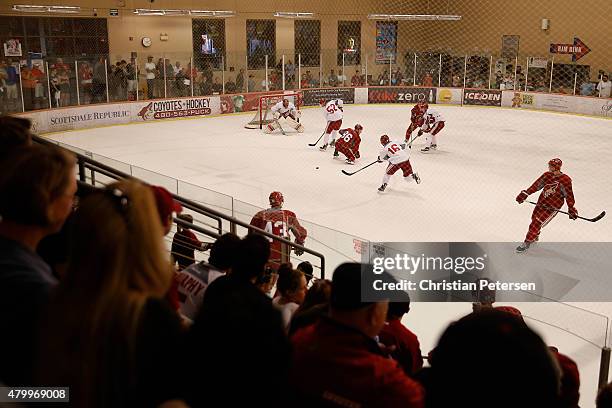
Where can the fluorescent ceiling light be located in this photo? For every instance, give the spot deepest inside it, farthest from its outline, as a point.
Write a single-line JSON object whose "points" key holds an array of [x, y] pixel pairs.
{"points": [[289, 14], [26, 8], [214, 13], [201, 13], [416, 17]]}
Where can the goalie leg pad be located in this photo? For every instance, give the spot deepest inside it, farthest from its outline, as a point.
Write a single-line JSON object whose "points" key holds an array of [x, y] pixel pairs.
{"points": [[294, 124], [271, 127]]}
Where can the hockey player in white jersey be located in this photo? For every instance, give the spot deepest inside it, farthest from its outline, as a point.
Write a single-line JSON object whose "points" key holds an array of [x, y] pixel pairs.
{"points": [[398, 159], [433, 123], [284, 110], [334, 112]]}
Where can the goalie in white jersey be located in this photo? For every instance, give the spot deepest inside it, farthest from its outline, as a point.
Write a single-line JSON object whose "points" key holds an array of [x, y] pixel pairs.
{"points": [[398, 159], [286, 110], [334, 112], [433, 123]]}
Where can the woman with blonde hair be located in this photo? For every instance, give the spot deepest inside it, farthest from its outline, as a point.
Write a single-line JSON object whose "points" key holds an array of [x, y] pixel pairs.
{"points": [[109, 334]]}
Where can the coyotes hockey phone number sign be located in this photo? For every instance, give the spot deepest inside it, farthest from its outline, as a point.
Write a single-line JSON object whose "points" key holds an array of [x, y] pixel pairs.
{"points": [[401, 95]]}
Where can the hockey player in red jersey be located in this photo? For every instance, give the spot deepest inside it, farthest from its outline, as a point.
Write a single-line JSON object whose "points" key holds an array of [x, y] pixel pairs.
{"points": [[348, 143], [556, 188], [398, 159], [279, 222], [416, 118]]}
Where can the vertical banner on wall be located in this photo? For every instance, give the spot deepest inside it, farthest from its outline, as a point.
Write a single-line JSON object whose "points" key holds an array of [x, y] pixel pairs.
{"points": [[510, 46], [386, 41]]}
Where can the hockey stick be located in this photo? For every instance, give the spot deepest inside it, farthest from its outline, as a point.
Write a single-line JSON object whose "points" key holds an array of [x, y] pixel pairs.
{"points": [[348, 173], [594, 219], [280, 127], [322, 134]]}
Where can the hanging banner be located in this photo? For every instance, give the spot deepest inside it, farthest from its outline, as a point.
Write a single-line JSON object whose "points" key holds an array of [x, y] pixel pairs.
{"points": [[386, 42]]}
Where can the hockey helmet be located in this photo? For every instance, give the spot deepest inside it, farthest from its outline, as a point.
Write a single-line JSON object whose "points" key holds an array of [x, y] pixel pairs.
{"points": [[555, 164], [322, 102], [358, 128], [384, 139], [276, 199]]}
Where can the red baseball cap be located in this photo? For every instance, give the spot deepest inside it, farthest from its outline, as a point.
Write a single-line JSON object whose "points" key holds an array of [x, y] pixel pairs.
{"points": [[166, 204]]}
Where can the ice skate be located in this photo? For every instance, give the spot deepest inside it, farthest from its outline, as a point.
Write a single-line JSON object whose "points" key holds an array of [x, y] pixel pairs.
{"points": [[425, 149], [332, 143], [323, 148], [336, 154], [523, 247], [348, 161], [433, 146], [382, 188], [416, 178]]}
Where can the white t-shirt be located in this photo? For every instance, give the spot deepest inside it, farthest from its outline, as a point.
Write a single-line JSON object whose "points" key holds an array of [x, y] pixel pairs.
{"points": [[287, 310], [150, 68], [605, 88], [394, 153], [192, 283], [333, 110]]}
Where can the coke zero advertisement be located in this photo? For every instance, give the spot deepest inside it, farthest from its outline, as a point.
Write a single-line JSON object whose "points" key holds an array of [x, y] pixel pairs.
{"points": [[401, 95]]}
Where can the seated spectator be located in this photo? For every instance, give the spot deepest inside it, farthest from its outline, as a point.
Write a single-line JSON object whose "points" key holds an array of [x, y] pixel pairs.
{"points": [[14, 133], [306, 268], [337, 360], [604, 87], [332, 80], [37, 187], [193, 280], [112, 302], [428, 80], [587, 88], [570, 380], [314, 306], [405, 344], [496, 356], [356, 79], [242, 353], [184, 243], [230, 86], [291, 285]]}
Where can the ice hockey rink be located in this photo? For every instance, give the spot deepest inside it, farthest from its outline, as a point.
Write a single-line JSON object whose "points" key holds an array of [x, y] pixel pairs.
{"points": [[486, 156]]}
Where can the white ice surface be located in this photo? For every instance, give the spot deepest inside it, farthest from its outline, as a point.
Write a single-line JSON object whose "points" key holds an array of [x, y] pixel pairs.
{"points": [[486, 157]]}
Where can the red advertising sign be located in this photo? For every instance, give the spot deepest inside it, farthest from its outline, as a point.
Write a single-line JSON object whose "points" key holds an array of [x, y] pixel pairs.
{"points": [[578, 49]]}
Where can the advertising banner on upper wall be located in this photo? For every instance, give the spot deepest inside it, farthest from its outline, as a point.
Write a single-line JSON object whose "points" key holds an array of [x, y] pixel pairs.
{"points": [[311, 97], [482, 97], [179, 108], [401, 95]]}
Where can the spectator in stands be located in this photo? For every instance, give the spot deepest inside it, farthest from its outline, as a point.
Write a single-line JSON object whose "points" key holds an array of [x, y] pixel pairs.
{"points": [[570, 380], [587, 88], [37, 187], [150, 69], [230, 86], [184, 243], [63, 72], [604, 87], [404, 343], [240, 81], [193, 280], [604, 398], [158, 82], [332, 80], [14, 133], [112, 302], [499, 78], [314, 306], [291, 285], [305, 82], [290, 74], [27, 87], [338, 359], [383, 78], [10, 84], [306, 268], [356, 79], [217, 87], [85, 78], [240, 352], [166, 207], [495, 356], [508, 83], [99, 81], [251, 83], [456, 81], [427, 80]]}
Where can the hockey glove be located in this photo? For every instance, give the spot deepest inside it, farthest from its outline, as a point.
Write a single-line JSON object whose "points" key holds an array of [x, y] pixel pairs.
{"points": [[276, 115], [298, 251], [357, 155], [573, 213], [522, 197]]}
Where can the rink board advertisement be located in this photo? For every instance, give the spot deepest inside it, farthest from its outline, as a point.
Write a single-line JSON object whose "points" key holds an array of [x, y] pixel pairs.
{"points": [[177, 108], [471, 271], [401, 95], [558, 103], [311, 97], [87, 117], [449, 96], [482, 97]]}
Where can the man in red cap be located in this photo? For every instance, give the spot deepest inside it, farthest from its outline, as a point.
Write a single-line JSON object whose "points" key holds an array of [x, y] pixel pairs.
{"points": [[166, 206], [556, 188]]}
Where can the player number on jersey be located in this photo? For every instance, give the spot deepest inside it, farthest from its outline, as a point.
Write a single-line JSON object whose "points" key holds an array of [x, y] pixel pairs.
{"points": [[393, 148], [277, 228], [331, 108], [347, 137]]}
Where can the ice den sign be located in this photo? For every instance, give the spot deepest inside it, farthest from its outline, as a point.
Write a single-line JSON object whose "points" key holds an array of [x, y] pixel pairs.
{"points": [[488, 97]]}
